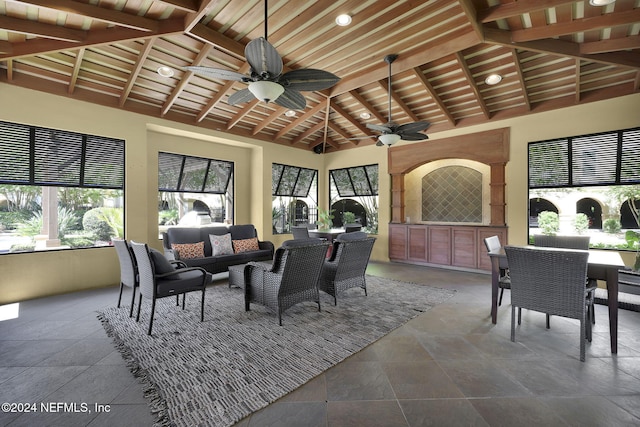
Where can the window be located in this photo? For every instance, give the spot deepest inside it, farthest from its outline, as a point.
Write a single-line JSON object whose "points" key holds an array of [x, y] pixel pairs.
{"points": [[294, 192], [60, 190], [194, 190], [355, 190], [592, 183]]}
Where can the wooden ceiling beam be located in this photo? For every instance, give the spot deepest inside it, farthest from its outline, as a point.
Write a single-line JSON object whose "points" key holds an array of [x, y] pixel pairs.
{"points": [[509, 10], [142, 57], [339, 110], [76, 70], [472, 15], [399, 102], [472, 83], [39, 29], [303, 118], [184, 81], [193, 19], [591, 23], [313, 129], [185, 5], [272, 117], [370, 108], [242, 113], [521, 80], [87, 10], [417, 72], [5, 47], [610, 45], [93, 38], [561, 48]]}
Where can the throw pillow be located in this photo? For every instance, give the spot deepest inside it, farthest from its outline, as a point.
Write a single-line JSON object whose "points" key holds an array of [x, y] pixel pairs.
{"points": [[161, 264], [189, 250], [221, 245], [245, 245]]}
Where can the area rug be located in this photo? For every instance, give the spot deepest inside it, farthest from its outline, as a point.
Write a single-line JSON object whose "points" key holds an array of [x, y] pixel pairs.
{"points": [[235, 362]]}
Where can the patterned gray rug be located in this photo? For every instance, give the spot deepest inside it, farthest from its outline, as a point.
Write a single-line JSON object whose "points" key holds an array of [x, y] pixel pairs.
{"points": [[236, 362]]}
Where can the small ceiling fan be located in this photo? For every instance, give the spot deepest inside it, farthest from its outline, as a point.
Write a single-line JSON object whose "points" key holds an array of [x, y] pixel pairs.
{"points": [[266, 81], [392, 132]]}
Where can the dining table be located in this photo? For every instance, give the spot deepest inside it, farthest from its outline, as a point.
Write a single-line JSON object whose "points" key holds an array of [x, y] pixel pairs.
{"points": [[602, 265], [330, 235]]}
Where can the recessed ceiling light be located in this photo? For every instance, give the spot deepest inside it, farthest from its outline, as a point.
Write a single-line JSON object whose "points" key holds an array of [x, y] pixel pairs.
{"points": [[493, 79], [343, 20], [365, 115], [165, 71], [600, 2], [290, 113]]}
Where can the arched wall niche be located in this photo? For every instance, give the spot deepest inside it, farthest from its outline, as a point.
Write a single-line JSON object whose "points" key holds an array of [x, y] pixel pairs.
{"points": [[490, 147]]}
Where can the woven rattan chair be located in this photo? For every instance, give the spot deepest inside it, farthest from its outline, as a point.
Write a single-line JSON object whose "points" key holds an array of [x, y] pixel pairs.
{"points": [[300, 232], [347, 265], [291, 279], [352, 228], [154, 285], [128, 270], [550, 281], [504, 282]]}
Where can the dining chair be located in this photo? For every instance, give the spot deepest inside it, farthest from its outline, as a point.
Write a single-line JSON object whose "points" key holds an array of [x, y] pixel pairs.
{"points": [[551, 282], [492, 243], [159, 279], [300, 232], [128, 271], [351, 228]]}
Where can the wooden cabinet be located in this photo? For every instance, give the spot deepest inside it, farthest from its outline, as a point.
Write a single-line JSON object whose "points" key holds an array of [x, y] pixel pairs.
{"points": [[456, 246]]}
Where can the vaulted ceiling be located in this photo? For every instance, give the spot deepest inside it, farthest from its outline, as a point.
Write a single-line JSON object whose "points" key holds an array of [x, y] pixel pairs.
{"points": [[550, 54]]}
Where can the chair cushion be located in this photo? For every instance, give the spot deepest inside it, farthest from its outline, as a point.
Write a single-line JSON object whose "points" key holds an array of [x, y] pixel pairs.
{"points": [[245, 245], [221, 245], [189, 250], [161, 264], [301, 242], [355, 235]]}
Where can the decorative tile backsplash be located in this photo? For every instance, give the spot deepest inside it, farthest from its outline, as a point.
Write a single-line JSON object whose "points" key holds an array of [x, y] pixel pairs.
{"points": [[452, 194]]}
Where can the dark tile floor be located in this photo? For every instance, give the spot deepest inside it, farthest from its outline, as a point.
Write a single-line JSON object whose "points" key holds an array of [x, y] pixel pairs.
{"points": [[449, 366]]}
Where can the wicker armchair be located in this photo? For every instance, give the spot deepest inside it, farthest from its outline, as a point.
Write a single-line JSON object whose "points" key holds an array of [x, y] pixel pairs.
{"points": [[300, 232], [569, 242], [553, 282], [346, 267], [291, 279], [504, 282], [160, 279]]}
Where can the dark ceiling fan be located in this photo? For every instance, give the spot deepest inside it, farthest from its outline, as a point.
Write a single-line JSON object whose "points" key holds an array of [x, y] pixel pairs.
{"points": [[392, 132], [266, 81]]}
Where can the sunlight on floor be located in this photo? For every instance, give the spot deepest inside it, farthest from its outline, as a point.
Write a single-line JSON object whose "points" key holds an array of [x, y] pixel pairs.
{"points": [[9, 311]]}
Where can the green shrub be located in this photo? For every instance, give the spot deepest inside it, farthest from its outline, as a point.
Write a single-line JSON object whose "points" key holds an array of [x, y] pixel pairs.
{"points": [[611, 226], [549, 222], [96, 221], [10, 220], [67, 222], [348, 217], [168, 217], [581, 223], [78, 241], [22, 247]]}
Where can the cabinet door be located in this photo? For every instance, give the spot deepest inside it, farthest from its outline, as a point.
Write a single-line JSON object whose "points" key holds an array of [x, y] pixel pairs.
{"points": [[439, 247], [397, 241], [464, 249], [417, 243], [484, 262]]}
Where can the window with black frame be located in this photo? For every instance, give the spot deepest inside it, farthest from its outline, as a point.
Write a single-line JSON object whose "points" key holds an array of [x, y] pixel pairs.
{"points": [[194, 191], [59, 189], [294, 192], [587, 184], [353, 195]]}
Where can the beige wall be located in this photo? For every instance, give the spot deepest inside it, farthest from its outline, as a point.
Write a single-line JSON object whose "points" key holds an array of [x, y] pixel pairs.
{"points": [[31, 275]]}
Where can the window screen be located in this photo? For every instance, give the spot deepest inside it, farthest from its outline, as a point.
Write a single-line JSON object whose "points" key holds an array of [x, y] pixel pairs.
{"points": [[356, 181], [291, 181], [188, 174]]}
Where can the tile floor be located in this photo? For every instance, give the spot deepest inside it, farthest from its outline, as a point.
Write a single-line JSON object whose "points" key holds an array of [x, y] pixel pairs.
{"points": [[449, 366]]}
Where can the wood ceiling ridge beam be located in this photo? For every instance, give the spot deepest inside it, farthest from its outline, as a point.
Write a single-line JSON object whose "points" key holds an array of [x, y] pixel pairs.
{"points": [[185, 5], [509, 10], [39, 29], [208, 35], [184, 81], [191, 20], [561, 48], [521, 79], [93, 38], [472, 15], [86, 10], [135, 71], [469, 76], [433, 94], [610, 45], [414, 58], [614, 19]]}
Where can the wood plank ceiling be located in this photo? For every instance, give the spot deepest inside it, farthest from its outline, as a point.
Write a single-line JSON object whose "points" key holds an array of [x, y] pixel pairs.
{"points": [[550, 54]]}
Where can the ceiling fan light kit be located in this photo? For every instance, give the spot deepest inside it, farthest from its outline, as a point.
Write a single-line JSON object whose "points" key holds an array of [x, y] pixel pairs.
{"points": [[389, 139]]}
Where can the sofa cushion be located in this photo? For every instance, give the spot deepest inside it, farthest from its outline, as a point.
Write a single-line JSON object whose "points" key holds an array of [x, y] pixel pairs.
{"points": [[241, 232], [245, 245], [221, 245], [189, 250]]}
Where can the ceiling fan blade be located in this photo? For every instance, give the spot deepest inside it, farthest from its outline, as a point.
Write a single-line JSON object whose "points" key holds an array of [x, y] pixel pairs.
{"points": [[240, 96], [217, 73], [263, 57], [413, 127], [379, 128], [413, 136], [309, 79], [291, 99]]}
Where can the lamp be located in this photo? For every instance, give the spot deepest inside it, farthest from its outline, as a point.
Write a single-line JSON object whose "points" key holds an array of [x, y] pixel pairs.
{"points": [[600, 2], [389, 139], [265, 90]]}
